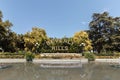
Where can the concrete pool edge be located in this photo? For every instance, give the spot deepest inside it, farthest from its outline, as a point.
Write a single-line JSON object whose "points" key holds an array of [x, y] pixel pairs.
{"points": [[57, 60], [117, 60], [44, 60]]}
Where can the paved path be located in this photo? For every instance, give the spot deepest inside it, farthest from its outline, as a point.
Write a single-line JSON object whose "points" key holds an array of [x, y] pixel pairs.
{"points": [[58, 60], [108, 60], [44, 60], [12, 60]]}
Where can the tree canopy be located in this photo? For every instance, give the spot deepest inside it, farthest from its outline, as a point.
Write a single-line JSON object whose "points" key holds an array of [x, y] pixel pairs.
{"points": [[7, 37], [82, 39], [34, 38], [104, 35], [105, 32]]}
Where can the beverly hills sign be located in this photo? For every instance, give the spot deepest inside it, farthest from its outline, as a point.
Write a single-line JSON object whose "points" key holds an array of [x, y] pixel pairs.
{"points": [[60, 48]]}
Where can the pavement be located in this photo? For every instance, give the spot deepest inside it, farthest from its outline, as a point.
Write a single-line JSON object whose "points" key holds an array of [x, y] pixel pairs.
{"points": [[58, 60], [44, 60], [12, 60], [117, 60]]}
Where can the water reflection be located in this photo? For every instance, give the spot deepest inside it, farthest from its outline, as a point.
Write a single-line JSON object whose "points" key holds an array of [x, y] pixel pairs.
{"points": [[30, 71], [5, 66]]}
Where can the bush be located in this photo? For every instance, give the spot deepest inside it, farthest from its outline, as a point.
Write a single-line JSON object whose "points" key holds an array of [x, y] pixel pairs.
{"points": [[90, 56], [29, 56], [11, 55], [105, 53], [117, 54]]}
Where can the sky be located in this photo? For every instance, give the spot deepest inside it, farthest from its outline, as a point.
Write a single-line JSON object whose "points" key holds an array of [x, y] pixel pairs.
{"points": [[59, 18]]}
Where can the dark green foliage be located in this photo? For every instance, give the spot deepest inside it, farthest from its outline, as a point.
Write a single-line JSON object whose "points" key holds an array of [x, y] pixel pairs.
{"points": [[105, 32], [90, 56], [29, 56], [107, 53], [7, 37], [20, 42], [11, 55]]}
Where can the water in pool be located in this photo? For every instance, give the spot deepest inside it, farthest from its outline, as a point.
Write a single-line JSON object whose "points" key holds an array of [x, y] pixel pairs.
{"points": [[34, 71]]}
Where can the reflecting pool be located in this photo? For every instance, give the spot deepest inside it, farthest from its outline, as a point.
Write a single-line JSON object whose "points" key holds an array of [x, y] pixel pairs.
{"points": [[35, 71]]}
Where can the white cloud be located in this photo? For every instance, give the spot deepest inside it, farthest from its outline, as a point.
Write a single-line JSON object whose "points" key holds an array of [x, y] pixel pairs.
{"points": [[84, 23], [105, 10]]}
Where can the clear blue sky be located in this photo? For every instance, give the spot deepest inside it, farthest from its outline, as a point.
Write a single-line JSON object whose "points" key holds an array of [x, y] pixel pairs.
{"points": [[58, 17]]}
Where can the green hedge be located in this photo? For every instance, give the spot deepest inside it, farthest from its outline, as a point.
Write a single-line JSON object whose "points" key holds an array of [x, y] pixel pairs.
{"points": [[11, 55], [29, 56], [90, 56]]}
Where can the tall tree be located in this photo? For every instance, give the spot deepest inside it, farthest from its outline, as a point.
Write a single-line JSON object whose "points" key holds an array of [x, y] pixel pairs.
{"points": [[5, 32], [34, 39], [20, 42], [2, 28], [9, 42], [81, 38], [103, 30]]}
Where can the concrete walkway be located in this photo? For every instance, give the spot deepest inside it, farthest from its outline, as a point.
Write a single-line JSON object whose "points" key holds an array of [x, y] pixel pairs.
{"points": [[108, 60], [12, 60], [44, 60], [58, 60]]}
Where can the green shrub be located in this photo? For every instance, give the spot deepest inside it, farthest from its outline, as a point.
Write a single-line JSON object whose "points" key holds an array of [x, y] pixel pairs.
{"points": [[29, 56], [105, 53], [117, 54], [20, 52], [11, 55], [90, 56]]}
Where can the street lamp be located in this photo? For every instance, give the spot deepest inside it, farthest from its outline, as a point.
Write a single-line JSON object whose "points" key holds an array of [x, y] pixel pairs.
{"points": [[36, 45], [82, 45], [1, 50]]}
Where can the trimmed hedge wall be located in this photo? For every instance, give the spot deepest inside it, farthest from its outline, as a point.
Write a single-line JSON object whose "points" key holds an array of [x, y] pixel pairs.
{"points": [[11, 55]]}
